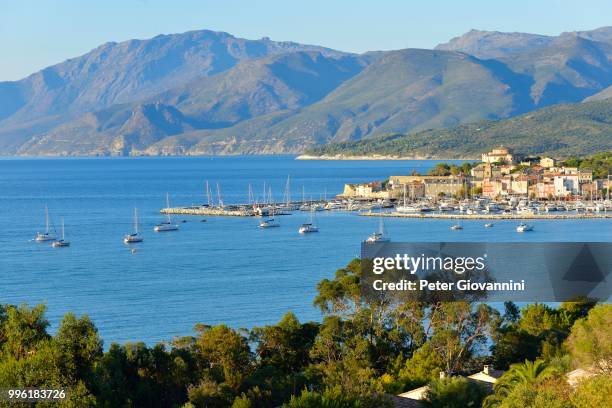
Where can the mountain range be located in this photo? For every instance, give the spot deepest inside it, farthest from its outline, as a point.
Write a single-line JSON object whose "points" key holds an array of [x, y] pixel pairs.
{"points": [[206, 92]]}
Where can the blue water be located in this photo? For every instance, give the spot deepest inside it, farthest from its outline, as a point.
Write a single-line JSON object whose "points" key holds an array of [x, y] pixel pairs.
{"points": [[225, 270]]}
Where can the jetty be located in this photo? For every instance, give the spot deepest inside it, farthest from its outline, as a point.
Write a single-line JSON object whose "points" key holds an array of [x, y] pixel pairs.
{"points": [[242, 210]]}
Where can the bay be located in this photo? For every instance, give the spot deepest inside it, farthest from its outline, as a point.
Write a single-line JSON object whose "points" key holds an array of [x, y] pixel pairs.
{"points": [[224, 270]]}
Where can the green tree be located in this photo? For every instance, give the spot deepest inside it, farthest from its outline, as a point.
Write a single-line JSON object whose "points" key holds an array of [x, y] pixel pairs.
{"points": [[519, 375], [589, 342], [23, 329], [551, 393], [80, 347], [225, 353], [454, 392]]}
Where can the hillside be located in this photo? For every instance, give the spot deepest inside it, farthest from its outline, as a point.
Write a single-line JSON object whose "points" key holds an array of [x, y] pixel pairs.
{"points": [[600, 96], [205, 92], [249, 89], [118, 73], [559, 131]]}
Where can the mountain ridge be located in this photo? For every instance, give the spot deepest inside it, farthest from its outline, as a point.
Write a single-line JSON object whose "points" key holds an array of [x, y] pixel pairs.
{"points": [[207, 92]]}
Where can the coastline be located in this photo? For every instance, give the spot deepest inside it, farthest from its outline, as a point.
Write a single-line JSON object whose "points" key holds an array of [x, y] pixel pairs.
{"points": [[375, 157], [490, 216]]}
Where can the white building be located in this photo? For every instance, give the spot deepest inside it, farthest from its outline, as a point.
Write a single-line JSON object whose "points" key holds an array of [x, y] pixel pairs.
{"points": [[566, 185]]}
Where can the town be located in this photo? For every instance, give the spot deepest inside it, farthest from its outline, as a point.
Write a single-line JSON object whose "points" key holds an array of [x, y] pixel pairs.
{"points": [[503, 182]]}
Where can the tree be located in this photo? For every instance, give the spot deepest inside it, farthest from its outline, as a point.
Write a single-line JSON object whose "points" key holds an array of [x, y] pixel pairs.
{"points": [[457, 328], [23, 329], [454, 392], [521, 374], [589, 341], [333, 398], [225, 353], [550, 393], [424, 366], [80, 347]]}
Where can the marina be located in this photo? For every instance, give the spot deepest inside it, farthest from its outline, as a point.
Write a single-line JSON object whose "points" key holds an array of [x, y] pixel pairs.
{"points": [[515, 216]]}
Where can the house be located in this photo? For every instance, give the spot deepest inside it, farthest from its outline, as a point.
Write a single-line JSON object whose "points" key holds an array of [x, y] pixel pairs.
{"points": [[500, 155], [547, 162], [566, 185], [487, 376]]}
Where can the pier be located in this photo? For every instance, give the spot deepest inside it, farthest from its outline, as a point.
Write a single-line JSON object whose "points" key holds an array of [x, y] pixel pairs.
{"points": [[242, 210]]}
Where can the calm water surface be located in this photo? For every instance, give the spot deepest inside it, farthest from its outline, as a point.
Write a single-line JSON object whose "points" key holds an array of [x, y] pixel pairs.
{"points": [[225, 270]]}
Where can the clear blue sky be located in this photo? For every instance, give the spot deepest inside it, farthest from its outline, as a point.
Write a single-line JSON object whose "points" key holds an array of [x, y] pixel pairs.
{"points": [[36, 34]]}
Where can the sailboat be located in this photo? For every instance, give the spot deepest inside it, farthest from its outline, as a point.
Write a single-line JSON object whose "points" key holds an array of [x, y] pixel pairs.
{"points": [[270, 222], [522, 227], [47, 235], [309, 226], [406, 208], [62, 242], [167, 225], [135, 236], [378, 236]]}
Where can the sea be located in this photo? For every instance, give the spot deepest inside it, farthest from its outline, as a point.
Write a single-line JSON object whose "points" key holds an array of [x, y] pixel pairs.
{"points": [[224, 270]]}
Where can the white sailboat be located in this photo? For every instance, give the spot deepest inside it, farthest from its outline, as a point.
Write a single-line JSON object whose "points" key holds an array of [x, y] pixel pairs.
{"points": [[405, 207], [309, 226], [48, 235], [378, 236], [62, 242], [522, 227], [167, 225], [270, 222], [135, 236]]}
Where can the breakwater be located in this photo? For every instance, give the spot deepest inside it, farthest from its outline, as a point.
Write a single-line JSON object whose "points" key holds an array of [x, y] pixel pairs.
{"points": [[208, 211]]}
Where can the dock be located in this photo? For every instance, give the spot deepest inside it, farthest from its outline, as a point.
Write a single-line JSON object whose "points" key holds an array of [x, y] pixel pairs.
{"points": [[573, 216]]}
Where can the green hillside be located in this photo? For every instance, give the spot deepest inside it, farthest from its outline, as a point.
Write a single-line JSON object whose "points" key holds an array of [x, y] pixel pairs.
{"points": [[561, 130]]}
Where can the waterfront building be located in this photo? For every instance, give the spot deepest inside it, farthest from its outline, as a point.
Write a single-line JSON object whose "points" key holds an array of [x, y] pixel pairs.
{"points": [[370, 190], [432, 186]]}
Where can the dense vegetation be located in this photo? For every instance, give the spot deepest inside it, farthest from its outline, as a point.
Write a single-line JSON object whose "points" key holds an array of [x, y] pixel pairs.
{"points": [[559, 131], [600, 164], [356, 357]]}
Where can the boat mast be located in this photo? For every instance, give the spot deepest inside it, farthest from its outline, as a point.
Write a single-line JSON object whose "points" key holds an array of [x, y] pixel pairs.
{"points": [[46, 220], [207, 193], [136, 220], [62, 229], [168, 207], [288, 191], [219, 195]]}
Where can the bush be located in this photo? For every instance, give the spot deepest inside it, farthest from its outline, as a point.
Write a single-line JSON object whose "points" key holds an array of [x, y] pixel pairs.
{"points": [[455, 392]]}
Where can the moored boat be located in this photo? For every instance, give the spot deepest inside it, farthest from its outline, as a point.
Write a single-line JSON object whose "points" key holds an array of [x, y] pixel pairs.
{"points": [[48, 235], [61, 242], [134, 237]]}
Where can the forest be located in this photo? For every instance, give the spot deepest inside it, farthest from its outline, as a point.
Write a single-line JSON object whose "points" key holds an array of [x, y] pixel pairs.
{"points": [[362, 354]]}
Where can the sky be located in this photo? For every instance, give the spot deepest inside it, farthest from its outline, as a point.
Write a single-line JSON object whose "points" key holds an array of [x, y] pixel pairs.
{"points": [[36, 34]]}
